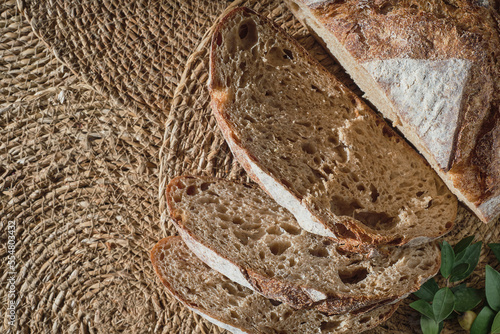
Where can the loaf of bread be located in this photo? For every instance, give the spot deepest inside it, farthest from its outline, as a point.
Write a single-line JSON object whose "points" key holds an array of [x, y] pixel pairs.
{"points": [[244, 234], [314, 146], [433, 69], [239, 309]]}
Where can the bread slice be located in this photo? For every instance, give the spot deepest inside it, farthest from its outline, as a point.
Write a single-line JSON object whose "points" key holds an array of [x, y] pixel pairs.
{"points": [[244, 234], [432, 68], [314, 146], [240, 310]]}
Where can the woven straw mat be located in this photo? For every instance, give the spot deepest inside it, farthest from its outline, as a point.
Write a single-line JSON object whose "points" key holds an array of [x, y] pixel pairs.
{"points": [[83, 106]]}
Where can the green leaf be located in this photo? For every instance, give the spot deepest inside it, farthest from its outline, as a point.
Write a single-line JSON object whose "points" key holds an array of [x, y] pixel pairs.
{"points": [[423, 307], [496, 250], [470, 255], [492, 287], [443, 304], [429, 326], [466, 299], [460, 269], [458, 287], [447, 259], [427, 290], [495, 328], [463, 244], [483, 322]]}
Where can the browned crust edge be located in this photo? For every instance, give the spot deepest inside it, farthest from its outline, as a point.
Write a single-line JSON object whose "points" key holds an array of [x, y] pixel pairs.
{"points": [[365, 238]]}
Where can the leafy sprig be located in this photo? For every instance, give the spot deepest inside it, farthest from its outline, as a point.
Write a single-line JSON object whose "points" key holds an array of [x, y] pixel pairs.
{"points": [[458, 301]]}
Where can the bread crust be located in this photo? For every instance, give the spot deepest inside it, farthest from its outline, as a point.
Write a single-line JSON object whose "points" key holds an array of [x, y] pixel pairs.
{"points": [[294, 295], [347, 231], [437, 30]]}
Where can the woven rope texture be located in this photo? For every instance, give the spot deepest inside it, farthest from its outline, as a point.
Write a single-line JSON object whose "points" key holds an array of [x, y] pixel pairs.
{"points": [[98, 105]]}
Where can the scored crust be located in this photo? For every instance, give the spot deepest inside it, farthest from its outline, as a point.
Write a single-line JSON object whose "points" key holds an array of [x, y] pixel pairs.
{"points": [[352, 229], [439, 38]]}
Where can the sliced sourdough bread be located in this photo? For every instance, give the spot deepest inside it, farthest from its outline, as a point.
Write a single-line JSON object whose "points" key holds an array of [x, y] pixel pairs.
{"points": [[244, 234], [314, 146], [433, 69], [239, 309]]}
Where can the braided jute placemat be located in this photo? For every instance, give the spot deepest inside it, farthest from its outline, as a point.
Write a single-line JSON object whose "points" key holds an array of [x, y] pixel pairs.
{"points": [[79, 170], [194, 145]]}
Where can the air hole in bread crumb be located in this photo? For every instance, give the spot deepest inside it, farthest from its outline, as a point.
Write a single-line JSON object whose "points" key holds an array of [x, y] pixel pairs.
{"points": [[374, 193], [177, 198], [274, 230], [344, 207], [274, 302], [262, 255], [448, 225], [334, 140], [329, 326], [288, 54], [291, 262], [237, 220], [306, 124], [290, 229], [396, 242], [204, 186], [243, 31], [316, 89], [364, 320], [376, 220], [353, 276], [327, 170], [191, 190], [360, 187], [308, 148], [221, 208], [343, 232], [420, 193], [429, 204], [340, 153], [234, 315], [242, 237], [318, 251], [250, 226], [249, 118], [278, 247]]}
